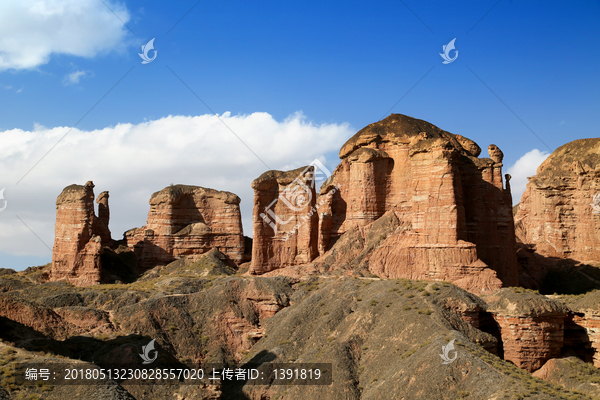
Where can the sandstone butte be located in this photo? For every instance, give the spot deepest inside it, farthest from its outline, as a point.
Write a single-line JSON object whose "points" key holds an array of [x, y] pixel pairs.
{"points": [[186, 221], [556, 213], [446, 213], [183, 221]]}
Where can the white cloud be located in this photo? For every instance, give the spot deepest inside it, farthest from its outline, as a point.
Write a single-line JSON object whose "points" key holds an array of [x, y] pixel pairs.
{"points": [[133, 161], [74, 77], [524, 167], [32, 30]]}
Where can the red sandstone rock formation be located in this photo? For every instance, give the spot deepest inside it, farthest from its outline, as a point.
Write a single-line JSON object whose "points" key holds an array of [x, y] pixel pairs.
{"points": [[556, 212], [532, 326], [587, 316], [79, 236], [284, 221], [453, 217], [188, 220], [101, 223]]}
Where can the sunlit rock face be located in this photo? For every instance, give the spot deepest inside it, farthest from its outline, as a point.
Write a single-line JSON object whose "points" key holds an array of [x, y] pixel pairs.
{"points": [[452, 215], [79, 236], [185, 221], [556, 214]]}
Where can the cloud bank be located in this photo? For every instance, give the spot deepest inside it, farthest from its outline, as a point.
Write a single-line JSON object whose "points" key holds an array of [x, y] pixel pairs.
{"points": [[134, 161], [32, 30], [524, 167]]}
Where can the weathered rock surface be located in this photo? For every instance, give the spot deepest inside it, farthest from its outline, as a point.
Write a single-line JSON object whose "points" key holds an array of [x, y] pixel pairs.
{"points": [[188, 220], [556, 213], [452, 216], [571, 373], [531, 325], [384, 341], [79, 236], [587, 316], [284, 228], [381, 336]]}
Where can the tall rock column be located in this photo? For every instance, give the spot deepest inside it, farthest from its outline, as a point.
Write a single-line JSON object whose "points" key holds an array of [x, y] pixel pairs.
{"points": [[488, 214], [77, 250], [285, 219], [101, 226]]}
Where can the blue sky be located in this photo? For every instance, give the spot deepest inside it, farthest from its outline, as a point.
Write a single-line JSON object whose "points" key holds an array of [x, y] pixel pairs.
{"points": [[317, 71]]}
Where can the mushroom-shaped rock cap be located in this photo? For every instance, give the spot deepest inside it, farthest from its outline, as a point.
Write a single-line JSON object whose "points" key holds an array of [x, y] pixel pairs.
{"points": [[102, 197], [401, 129], [172, 194], [495, 153], [469, 145], [76, 193], [511, 302]]}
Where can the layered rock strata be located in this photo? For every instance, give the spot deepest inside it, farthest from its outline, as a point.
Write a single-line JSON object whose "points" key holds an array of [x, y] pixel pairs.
{"points": [[587, 317], [454, 216], [79, 236], [188, 220], [559, 213], [531, 326], [284, 218]]}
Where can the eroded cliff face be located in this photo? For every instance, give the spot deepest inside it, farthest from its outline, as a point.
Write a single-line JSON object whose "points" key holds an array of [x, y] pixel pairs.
{"points": [[556, 213], [79, 236], [285, 229], [453, 214], [185, 221], [586, 319]]}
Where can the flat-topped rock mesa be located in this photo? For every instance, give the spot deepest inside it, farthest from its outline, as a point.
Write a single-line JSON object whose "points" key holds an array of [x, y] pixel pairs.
{"points": [[452, 216], [556, 213], [186, 221], [532, 327], [79, 236]]}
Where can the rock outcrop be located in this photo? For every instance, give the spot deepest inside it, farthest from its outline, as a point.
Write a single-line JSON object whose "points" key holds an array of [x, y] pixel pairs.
{"points": [[531, 325], [101, 223], [285, 228], [587, 316], [557, 213], [79, 236], [188, 220], [452, 215]]}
